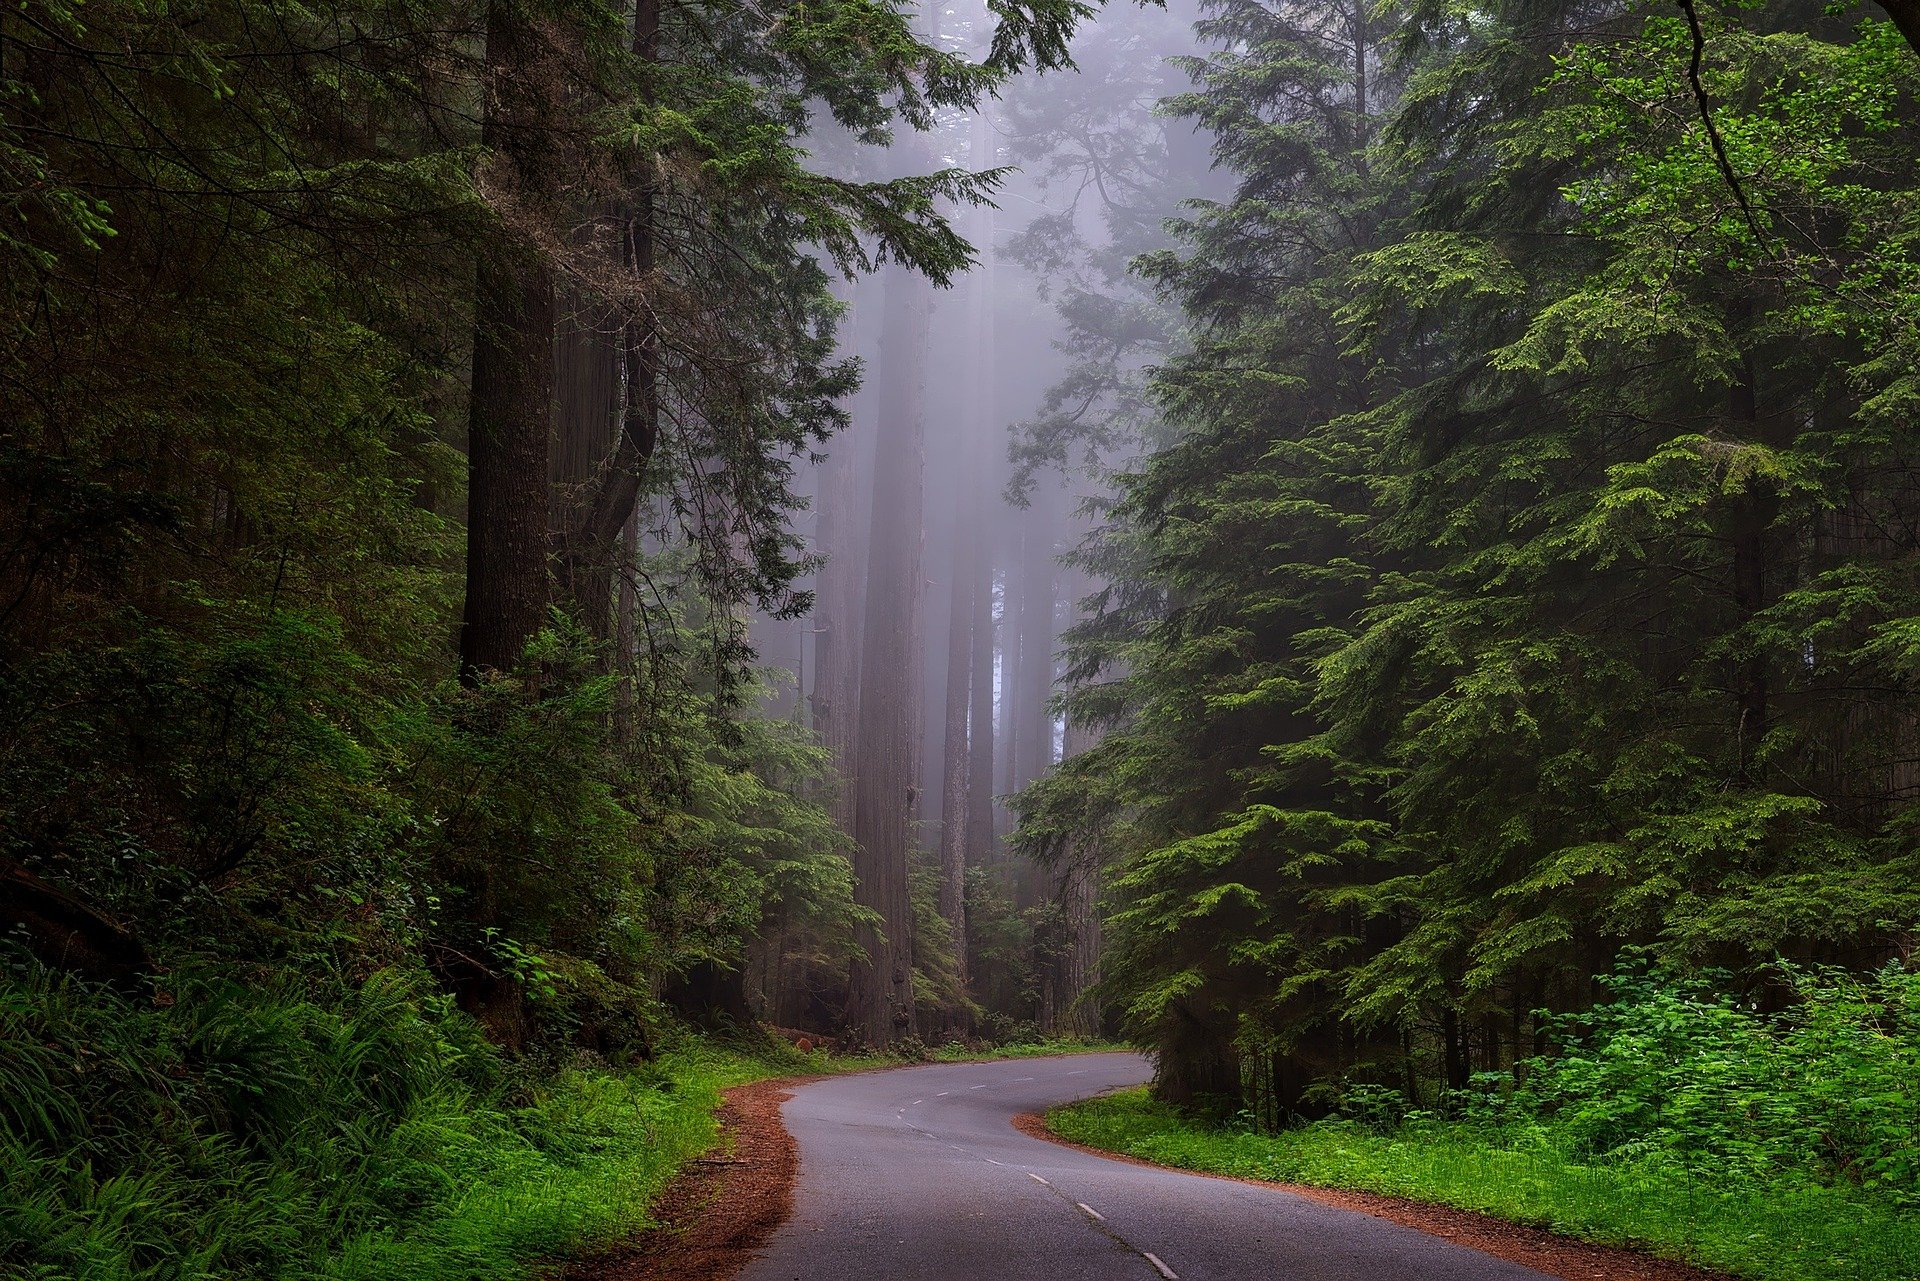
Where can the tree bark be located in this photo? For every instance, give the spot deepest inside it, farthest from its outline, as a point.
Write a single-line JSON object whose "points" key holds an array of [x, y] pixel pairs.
{"points": [[985, 429], [1079, 893], [980, 713], [1038, 632], [512, 392], [1753, 517], [587, 406], [886, 746], [955, 762], [609, 505], [834, 697]]}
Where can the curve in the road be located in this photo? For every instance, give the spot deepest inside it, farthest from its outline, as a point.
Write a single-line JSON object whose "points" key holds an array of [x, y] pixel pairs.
{"points": [[919, 1175]]}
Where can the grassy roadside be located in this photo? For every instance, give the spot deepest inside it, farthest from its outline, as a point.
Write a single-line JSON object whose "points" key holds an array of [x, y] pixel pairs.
{"points": [[359, 1133], [956, 1053], [1786, 1232], [596, 1149], [302, 1129]]}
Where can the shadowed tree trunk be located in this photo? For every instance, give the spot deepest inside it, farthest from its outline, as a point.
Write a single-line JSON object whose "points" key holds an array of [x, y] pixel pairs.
{"points": [[834, 696], [980, 713], [955, 762], [887, 744], [586, 416], [1080, 889], [512, 393], [1034, 724], [1012, 603], [606, 506]]}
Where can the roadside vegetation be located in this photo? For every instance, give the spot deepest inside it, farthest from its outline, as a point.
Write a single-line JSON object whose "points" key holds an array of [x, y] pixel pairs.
{"points": [[1775, 1146], [252, 1126], [234, 1125]]}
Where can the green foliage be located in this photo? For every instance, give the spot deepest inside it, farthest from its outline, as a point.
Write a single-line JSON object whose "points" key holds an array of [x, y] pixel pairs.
{"points": [[1526, 568], [1828, 1088], [1676, 1115], [1768, 1232], [247, 1125]]}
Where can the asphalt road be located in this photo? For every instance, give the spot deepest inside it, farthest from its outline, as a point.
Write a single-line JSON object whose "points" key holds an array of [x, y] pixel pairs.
{"points": [[919, 1174]]}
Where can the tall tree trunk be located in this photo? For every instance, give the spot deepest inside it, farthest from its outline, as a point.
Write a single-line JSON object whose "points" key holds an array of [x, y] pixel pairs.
{"points": [[586, 413], [1038, 633], [955, 762], [608, 506], [1080, 890], [886, 744], [1081, 970], [980, 713], [1013, 604], [1753, 516], [834, 696], [985, 429], [512, 393]]}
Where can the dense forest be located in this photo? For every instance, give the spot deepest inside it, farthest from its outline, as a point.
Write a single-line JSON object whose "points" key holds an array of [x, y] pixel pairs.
{"points": [[1523, 569], [1363, 549]]}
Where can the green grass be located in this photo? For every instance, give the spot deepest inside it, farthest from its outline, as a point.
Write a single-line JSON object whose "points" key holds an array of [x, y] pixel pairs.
{"points": [[1782, 1232], [954, 1052], [580, 1170], [281, 1127], [321, 1130]]}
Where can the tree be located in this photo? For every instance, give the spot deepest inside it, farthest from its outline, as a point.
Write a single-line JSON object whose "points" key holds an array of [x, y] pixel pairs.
{"points": [[887, 739]]}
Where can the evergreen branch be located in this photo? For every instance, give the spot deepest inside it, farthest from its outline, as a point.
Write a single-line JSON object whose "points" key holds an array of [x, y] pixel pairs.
{"points": [[1706, 118]]}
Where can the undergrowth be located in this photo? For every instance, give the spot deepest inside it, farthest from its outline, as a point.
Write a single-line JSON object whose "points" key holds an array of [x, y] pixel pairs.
{"points": [[1038, 1048], [229, 1128], [1782, 1232], [1781, 1144]]}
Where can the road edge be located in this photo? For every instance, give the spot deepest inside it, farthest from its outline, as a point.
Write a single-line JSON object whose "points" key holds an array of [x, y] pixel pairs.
{"points": [[723, 1206], [1541, 1249]]}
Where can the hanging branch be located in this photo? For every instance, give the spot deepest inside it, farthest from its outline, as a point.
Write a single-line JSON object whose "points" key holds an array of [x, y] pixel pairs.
{"points": [[1706, 118]]}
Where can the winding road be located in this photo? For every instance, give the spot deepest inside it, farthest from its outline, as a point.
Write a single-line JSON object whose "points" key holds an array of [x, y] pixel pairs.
{"points": [[919, 1174]]}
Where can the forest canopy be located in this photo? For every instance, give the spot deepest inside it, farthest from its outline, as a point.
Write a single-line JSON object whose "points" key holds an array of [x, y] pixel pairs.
{"points": [[1371, 550], [1524, 568]]}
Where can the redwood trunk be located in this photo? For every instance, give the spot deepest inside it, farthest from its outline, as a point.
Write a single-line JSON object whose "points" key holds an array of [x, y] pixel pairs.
{"points": [[886, 745], [954, 760], [512, 392]]}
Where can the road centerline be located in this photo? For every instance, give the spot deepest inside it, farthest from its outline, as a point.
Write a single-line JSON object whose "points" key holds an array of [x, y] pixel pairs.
{"points": [[874, 1203]]}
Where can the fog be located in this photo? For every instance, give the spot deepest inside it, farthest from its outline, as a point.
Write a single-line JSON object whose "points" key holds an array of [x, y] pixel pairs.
{"points": [[991, 417]]}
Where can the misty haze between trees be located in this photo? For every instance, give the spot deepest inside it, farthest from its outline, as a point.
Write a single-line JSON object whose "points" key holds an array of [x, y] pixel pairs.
{"points": [[1372, 552]]}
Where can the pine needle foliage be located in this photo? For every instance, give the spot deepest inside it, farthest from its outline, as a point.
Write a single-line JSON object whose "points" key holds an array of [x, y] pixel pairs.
{"points": [[1528, 572]]}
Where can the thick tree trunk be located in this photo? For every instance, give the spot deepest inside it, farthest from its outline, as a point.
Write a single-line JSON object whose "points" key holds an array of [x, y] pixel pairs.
{"points": [[607, 505], [1038, 634], [834, 696], [1013, 604], [980, 713], [984, 426], [586, 414], [512, 393], [886, 745], [1080, 889], [955, 762]]}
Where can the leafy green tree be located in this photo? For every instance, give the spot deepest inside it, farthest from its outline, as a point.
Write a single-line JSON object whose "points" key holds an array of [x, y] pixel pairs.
{"points": [[1527, 576]]}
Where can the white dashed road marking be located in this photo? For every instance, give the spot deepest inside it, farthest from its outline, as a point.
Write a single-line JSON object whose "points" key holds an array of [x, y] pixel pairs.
{"points": [[1092, 1213], [1036, 1178], [1165, 1271]]}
